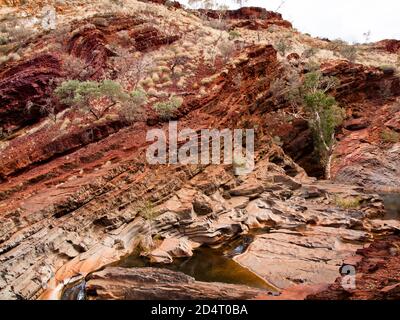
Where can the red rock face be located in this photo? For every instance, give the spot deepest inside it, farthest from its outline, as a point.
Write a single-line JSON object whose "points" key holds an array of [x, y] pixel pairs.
{"points": [[391, 45], [89, 44], [32, 79], [241, 100], [16, 159], [246, 13], [362, 92], [90, 40], [253, 18], [362, 156], [359, 82], [23, 82], [50, 175], [293, 57], [149, 37]]}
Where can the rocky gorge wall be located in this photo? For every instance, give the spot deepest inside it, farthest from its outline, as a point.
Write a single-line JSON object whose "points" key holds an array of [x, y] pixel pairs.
{"points": [[72, 192]]}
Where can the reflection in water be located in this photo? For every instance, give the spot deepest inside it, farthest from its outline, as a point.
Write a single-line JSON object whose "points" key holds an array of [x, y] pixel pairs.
{"points": [[75, 291], [206, 265], [392, 205], [209, 265]]}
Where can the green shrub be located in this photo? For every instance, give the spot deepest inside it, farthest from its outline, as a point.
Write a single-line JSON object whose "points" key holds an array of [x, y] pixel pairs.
{"points": [[323, 113], [218, 24], [3, 133], [390, 136], [348, 203], [349, 52], [166, 110], [324, 117], [226, 48], [131, 111], [277, 140], [312, 66], [3, 40], [138, 97], [117, 2], [283, 46], [233, 34], [147, 211], [311, 100], [310, 52]]}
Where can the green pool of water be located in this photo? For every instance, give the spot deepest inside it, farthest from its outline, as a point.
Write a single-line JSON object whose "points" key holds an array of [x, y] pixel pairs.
{"points": [[208, 265]]}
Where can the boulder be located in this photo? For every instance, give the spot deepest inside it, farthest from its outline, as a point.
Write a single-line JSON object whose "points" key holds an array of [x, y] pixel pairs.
{"points": [[202, 204], [171, 248], [161, 284]]}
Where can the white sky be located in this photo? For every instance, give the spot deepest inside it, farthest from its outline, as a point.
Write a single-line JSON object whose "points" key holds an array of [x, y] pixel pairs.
{"points": [[345, 19]]}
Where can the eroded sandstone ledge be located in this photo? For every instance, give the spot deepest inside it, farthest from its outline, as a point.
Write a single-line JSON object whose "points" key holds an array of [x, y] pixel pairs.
{"points": [[161, 284]]}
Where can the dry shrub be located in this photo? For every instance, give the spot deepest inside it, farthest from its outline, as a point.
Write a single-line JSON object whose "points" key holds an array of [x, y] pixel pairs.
{"points": [[226, 49], [76, 68]]}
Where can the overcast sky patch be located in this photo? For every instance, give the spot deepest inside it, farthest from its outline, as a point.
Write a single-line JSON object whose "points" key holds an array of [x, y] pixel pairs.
{"points": [[344, 19]]}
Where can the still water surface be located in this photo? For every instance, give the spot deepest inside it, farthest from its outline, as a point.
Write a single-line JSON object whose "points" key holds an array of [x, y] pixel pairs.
{"points": [[392, 205], [206, 264]]}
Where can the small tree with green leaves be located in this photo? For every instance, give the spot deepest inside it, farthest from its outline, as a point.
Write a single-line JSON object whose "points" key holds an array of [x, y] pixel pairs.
{"points": [[310, 100], [322, 113], [95, 97]]}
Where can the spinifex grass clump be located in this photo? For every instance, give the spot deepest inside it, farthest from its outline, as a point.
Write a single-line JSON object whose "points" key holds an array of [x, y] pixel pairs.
{"points": [[167, 110]]}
